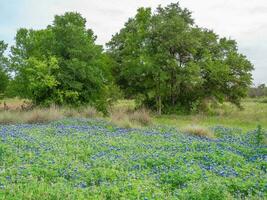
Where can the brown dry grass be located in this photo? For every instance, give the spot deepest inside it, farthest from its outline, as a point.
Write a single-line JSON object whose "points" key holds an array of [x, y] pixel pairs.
{"points": [[198, 131], [42, 115], [141, 117], [14, 104], [45, 115], [128, 118]]}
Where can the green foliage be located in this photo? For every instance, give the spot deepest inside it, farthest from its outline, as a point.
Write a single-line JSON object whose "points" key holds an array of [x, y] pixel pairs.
{"points": [[170, 63], [61, 64], [92, 159], [4, 79], [259, 135]]}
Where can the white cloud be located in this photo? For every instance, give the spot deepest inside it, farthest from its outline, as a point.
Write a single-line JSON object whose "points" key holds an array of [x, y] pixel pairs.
{"points": [[243, 20]]}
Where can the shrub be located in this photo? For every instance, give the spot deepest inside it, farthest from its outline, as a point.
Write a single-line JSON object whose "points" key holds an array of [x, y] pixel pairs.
{"points": [[259, 135]]}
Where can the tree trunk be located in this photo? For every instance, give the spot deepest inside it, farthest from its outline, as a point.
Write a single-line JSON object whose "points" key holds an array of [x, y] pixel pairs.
{"points": [[173, 87], [158, 96], [160, 105]]}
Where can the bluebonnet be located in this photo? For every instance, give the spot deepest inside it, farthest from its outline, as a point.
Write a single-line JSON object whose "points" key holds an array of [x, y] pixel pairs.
{"points": [[88, 153]]}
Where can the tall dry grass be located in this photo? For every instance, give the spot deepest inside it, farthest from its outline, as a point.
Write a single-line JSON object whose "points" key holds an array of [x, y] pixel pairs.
{"points": [[128, 118], [198, 131], [45, 115], [42, 115], [120, 116], [87, 112]]}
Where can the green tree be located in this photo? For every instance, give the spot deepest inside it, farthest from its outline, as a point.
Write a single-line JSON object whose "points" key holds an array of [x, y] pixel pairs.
{"points": [[4, 79], [61, 64], [129, 51], [171, 63]]}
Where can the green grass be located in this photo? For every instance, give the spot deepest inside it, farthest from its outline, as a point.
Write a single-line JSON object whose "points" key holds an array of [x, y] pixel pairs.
{"points": [[254, 113]]}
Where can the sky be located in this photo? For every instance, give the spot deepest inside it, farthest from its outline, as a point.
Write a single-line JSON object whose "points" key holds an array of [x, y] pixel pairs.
{"points": [[242, 20]]}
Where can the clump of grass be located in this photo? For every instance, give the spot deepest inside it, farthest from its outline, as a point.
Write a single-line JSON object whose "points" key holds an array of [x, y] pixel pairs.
{"points": [[129, 119], [9, 117], [86, 112], [71, 113], [141, 117], [89, 112], [43, 115], [119, 116], [36, 115], [199, 131], [124, 123]]}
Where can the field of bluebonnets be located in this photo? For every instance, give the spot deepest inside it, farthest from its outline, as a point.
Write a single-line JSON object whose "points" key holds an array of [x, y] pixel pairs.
{"points": [[93, 159]]}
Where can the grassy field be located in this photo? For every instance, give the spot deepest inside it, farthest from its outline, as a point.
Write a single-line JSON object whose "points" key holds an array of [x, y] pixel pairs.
{"points": [[254, 113], [93, 159]]}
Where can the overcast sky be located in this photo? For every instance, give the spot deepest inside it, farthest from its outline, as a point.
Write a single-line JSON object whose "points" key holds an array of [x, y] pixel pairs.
{"points": [[242, 20]]}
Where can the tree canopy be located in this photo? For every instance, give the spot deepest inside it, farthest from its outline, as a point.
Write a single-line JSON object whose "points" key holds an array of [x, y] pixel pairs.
{"points": [[61, 64], [162, 59], [169, 63]]}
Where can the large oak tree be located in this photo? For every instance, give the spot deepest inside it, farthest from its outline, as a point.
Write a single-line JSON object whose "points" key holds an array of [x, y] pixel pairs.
{"points": [[169, 63]]}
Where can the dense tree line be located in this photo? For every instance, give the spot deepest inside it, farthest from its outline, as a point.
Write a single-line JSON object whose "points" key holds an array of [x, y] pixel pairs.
{"points": [[259, 91], [161, 59]]}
